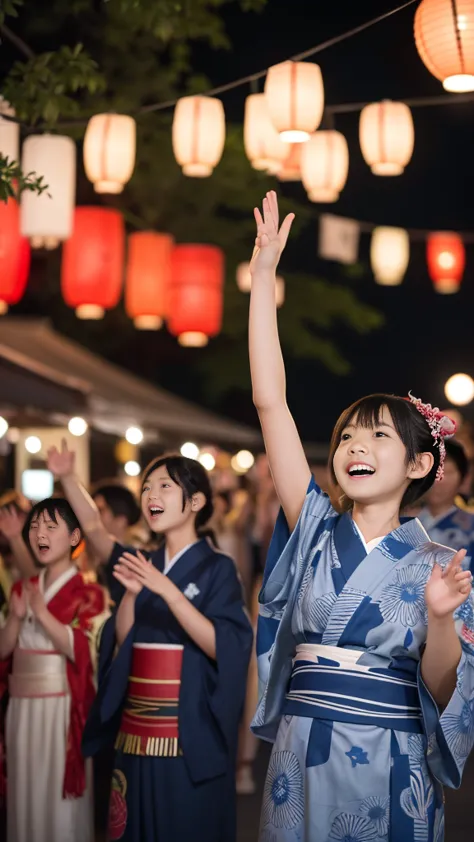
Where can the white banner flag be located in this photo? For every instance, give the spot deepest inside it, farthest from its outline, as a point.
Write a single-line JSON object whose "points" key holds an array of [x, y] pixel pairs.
{"points": [[338, 238]]}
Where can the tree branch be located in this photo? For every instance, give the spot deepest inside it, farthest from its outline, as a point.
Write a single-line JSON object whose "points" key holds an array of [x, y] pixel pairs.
{"points": [[18, 42]]}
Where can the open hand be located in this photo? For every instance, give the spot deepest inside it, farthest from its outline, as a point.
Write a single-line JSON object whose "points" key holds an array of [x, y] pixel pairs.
{"points": [[61, 463], [11, 522], [35, 599], [270, 240], [19, 604], [126, 577], [146, 574], [447, 589]]}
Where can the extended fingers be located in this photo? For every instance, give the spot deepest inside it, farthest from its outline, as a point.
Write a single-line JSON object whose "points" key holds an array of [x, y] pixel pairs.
{"points": [[455, 564]]}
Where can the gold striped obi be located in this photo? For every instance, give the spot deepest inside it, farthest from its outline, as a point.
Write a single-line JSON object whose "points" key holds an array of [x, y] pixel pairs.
{"points": [[149, 725], [38, 674]]}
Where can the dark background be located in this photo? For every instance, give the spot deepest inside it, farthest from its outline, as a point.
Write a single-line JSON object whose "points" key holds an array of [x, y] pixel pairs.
{"points": [[427, 336]]}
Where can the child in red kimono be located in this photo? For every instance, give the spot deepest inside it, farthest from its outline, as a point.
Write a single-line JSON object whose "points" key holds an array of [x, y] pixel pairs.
{"points": [[44, 647]]}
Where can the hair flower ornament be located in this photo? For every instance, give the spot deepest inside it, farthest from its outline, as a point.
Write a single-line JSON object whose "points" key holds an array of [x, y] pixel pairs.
{"points": [[442, 427]]}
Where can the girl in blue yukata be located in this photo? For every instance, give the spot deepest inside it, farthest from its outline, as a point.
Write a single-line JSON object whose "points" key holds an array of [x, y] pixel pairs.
{"points": [[366, 628]]}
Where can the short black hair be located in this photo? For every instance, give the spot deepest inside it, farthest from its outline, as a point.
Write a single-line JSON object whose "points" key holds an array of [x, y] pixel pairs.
{"points": [[455, 451], [120, 501], [410, 426], [192, 478], [53, 507]]}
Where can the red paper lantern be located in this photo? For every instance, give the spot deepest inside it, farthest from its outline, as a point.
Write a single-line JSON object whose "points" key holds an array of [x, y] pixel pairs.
{"points": [[15, 256], [92, 264], [446, 258], [195, 299], [148, 278]]}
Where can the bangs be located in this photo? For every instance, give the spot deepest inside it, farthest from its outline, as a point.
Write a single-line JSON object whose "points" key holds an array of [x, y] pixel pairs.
{"points": [[368, 413], [46, 507]]}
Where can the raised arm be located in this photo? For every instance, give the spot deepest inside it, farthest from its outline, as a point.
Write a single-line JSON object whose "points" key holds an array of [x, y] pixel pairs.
{"points": [[11, 525], [61, 464], [288, 463]]}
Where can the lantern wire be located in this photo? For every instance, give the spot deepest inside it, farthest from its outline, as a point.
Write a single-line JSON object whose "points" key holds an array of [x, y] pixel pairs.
{"points": [[415, 234], [253, 77]]}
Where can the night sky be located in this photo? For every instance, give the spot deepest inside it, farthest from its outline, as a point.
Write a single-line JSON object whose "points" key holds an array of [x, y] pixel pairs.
{"points": [[426, 336]]}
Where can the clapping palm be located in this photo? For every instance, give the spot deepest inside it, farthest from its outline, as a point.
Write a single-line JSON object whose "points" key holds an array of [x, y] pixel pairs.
{"points": [[270, 240], [447, 589], [61, 463]]}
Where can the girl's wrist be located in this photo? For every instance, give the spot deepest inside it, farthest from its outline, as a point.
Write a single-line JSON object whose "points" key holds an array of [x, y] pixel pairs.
{"points": [[445, 621]]}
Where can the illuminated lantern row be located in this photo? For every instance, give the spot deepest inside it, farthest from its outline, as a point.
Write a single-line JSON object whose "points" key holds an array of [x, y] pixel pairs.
{"points": [[148, 278], [9, 133], [444, 37], [387, 137], [14, 256], [446, 258], [195, 294], [262, 143], [47, 219], [295, 95], [445, 253], [109, 151], [198, 134], [324, 166], [92, 263], [389, 255], [244, 283]]}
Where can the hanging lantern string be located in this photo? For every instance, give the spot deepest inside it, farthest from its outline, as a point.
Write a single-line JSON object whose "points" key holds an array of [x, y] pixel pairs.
{"points": [[415, 234], [252, 78]]}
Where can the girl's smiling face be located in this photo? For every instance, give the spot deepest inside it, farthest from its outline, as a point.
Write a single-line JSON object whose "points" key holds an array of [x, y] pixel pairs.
{"points": [[370, 462]]}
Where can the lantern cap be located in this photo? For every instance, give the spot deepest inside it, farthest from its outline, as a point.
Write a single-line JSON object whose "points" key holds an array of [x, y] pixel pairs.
{"points": [[90, 311], [193, 339], [148, 322], [460, 83]]}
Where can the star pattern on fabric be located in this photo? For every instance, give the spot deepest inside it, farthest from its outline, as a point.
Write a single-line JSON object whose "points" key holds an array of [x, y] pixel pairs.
{"points": [[357, 756]]}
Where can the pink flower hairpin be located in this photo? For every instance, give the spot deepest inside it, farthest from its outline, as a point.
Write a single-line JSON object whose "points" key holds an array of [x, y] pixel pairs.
{"points": [[442, 427]]}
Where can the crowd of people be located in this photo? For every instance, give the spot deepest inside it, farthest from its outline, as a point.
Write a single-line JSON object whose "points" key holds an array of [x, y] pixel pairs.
{"points": [[146, 645]]}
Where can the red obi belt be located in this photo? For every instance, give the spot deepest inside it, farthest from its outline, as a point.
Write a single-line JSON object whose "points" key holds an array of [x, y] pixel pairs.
{"points": [[149, 724]]}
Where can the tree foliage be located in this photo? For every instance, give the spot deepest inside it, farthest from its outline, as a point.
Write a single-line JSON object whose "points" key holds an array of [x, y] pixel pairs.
{"points": [[82, 57]]}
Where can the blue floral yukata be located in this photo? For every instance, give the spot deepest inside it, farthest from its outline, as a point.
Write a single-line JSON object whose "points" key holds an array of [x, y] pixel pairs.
{"points": [[361, 751], [454, 528]]}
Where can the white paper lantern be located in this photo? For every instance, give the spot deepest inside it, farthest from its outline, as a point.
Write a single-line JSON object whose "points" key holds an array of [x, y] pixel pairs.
{"points": [[109, 151], [280, 292], [389, 255], [262, 143], [290, 169], [243, 277], [48, 219], [387, 136], [325, 165], [295, 96], [9, 133], [198, 134], [444, 37]]}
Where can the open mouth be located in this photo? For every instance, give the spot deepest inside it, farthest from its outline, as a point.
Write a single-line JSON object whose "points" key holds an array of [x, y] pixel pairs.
{"points": [[360, 470], [155, 511], [43, 548]]}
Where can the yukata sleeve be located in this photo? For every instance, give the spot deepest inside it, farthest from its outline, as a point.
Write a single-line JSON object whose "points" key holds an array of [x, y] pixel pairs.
{"points": [[450, 734], [227, 676], [288, 554]]}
